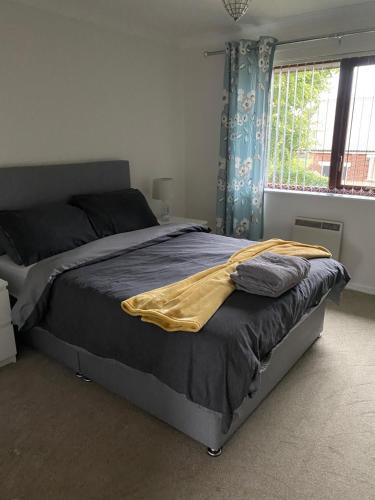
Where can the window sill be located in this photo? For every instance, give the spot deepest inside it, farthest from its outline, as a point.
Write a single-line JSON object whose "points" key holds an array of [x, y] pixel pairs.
{"points": [[320, 194]]}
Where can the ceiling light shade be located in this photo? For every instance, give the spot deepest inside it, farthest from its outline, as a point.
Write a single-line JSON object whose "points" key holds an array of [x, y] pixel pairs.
{"points": [[236, 8]]}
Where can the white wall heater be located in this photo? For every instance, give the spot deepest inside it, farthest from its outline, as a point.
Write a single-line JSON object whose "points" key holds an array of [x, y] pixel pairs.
{"points": [[319, 232]]}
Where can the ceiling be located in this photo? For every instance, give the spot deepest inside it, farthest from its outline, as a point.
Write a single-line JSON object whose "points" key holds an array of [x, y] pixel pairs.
{"points": [[181, 19]]}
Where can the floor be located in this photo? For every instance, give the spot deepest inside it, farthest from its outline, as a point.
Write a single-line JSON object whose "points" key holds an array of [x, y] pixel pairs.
{"points": [[312, 438]]}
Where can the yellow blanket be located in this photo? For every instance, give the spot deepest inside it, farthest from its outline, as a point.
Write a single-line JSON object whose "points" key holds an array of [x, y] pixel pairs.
{"points": [[188, 304]]}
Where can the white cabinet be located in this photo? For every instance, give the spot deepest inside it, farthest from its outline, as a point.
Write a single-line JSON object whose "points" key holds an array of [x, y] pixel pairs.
{"points": [[7, 343]]}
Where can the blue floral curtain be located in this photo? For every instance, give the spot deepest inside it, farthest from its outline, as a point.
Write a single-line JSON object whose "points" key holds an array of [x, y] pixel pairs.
{"points": [[242, 163]]}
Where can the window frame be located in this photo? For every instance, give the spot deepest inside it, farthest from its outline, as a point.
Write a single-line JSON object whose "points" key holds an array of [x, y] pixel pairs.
{"points": [[341, 122], [340, 129]]}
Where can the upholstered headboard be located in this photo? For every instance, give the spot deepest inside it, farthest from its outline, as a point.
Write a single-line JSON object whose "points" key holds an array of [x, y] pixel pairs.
{"points": [[22, 187]]}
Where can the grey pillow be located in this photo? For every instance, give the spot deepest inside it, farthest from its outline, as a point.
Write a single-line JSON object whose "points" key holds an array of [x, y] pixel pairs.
{"points": [[116, 211], [28, 236]]}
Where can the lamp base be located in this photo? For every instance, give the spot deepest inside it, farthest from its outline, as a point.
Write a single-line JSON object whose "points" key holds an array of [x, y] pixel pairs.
{"points": [[166, 212], [165, 218]]}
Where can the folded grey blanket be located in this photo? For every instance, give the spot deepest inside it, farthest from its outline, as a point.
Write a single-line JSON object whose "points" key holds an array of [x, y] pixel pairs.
{"points": [[270, 274]]}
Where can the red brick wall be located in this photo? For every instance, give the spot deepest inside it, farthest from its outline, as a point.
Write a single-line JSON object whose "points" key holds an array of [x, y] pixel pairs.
{"points": [[357, 172]]}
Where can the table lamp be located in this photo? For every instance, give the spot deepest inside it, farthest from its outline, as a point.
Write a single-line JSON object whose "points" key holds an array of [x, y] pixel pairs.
{"points": [[162, 189]]}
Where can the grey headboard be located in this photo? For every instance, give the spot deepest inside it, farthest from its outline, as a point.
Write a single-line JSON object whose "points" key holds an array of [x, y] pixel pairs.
{"points": [[22, 187]]}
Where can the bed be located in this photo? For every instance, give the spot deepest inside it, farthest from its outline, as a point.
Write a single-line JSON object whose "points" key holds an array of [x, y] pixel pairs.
{"points": [[206, 384]]}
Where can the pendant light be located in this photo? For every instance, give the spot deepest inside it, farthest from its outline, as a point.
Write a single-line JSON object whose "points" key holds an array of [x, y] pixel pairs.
{"points": [[236, 8]]}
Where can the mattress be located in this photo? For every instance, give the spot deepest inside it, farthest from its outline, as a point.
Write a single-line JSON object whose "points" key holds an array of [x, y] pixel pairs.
{"points": [[14, 274]]}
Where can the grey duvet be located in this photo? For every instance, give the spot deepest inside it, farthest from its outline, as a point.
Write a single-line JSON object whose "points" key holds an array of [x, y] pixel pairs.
{"points": [[76, 296]]}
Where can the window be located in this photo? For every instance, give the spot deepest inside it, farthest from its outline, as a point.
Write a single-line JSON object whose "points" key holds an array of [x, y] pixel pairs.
{"points": [[326, 165], [322, 127], [371, 168]]}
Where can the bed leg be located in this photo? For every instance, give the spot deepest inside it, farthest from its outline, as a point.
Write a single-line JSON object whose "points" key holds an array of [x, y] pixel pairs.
{"points": [[214, 453], [83, 377]]}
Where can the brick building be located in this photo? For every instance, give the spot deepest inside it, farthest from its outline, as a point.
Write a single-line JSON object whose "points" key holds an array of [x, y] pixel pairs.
{"points": [[359, 167]]}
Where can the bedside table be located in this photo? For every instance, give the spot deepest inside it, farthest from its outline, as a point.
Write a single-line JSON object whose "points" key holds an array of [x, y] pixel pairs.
{"points": [[8, 349], [183, 220]]}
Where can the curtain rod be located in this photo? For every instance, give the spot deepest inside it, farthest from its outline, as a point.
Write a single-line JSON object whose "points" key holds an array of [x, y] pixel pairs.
{"points": [[338, 35]]}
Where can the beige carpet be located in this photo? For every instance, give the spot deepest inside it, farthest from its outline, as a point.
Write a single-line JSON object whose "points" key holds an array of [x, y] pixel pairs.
{"points": [[313, 437]]}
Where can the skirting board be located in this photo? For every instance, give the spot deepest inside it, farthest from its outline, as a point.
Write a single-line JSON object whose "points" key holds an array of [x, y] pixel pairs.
{"points": [[357, 287], [156, 398]]}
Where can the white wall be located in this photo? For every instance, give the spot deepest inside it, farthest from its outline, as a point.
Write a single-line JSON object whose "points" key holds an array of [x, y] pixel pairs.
{"points": [[71, 91], [203, 86], [358, 215]]}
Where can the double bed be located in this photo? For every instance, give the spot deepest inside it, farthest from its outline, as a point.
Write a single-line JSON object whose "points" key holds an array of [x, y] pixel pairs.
{"points": [[205, 384]]}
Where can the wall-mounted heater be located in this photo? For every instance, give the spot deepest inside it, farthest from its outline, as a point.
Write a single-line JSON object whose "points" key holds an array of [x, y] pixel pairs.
{"points": [[319, 232]]}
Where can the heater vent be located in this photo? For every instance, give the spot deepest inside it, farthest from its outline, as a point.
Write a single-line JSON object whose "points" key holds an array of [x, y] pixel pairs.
{"points": [[319, 232]]}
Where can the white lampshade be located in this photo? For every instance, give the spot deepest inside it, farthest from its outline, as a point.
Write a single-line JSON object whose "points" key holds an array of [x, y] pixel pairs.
{"points": [[162, 189]]}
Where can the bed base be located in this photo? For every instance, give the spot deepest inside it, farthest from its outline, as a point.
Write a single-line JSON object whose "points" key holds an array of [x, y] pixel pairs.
{"points": [[156, 398]]}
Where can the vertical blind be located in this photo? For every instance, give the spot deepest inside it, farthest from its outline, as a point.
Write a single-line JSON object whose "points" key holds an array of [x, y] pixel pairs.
{"points": [[359, 156], [303, 104]]}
